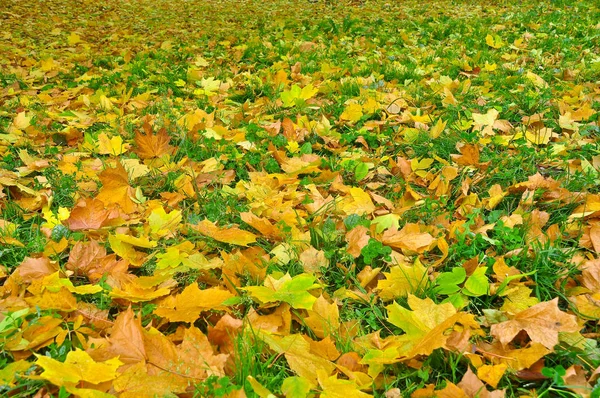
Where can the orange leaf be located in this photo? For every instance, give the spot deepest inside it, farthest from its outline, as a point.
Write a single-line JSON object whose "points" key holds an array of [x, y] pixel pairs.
{"points": [[357, 238], [116, 188], [233, 235], [193, 359], [88, 214], [125, 340], [153, 145]]}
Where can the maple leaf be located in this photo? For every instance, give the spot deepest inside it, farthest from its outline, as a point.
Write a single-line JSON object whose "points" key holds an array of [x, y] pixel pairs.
{"points": [[139, 289], [88, 214], [293, 291], [352, 113], [153, 145], [90, 259], [125, 341], [514, 359], [163, 224], [10, 372], [137, 382], [542, 322], [116, 188], [474, 388], [426, 325], [31, 268], [296, 387], [409, 238], [324, 318], [78, 366], [186, 307], [193, 359], [111, 146], [357, 238], [262, 225], [233, 235], [357, 202], [22, 121], [402, 280], [300, 359], [339, 388], [291, 97], [491, 374]]}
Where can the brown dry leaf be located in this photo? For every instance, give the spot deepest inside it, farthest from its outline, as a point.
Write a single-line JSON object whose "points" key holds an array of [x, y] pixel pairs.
{"points": [[542, 322], [233, 235], [516, 359], [576, 380], [590, 275], [313, 260], [90, 259], [594, 236], [223, 334], [262, 225]]}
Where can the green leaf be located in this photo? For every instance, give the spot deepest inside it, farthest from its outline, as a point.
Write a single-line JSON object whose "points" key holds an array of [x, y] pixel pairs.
{"points": [[448, 281], [360, 171], [293, 291], [477, 284], [385, 222], [295, 386]]}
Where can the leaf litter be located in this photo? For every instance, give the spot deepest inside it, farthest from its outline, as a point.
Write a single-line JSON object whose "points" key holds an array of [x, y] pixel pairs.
{"points": [[355, 199]]}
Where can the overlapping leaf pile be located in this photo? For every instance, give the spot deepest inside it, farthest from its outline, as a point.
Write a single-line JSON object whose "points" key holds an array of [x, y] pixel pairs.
{"points": [[299, 199]]}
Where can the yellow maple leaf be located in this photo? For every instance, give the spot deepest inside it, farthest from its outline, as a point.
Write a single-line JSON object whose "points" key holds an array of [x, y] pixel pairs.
{"points": [[187, 306], [338, 388], [73, 39], [77, 367], [352, 113], [358, 202], [402, 280], [163, 224], [494, 41], [111, 146], [22, 121]]}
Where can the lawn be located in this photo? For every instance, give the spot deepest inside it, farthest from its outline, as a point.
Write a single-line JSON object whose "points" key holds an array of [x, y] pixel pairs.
{"points": [[299, 199]]}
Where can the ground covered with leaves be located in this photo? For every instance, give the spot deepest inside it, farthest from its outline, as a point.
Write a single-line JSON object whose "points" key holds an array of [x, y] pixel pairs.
{"points": [[299, 199]]}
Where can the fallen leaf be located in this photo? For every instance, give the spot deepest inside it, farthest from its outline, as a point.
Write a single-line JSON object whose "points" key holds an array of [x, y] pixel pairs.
{"points": [[542, 322], [233, 235]]}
